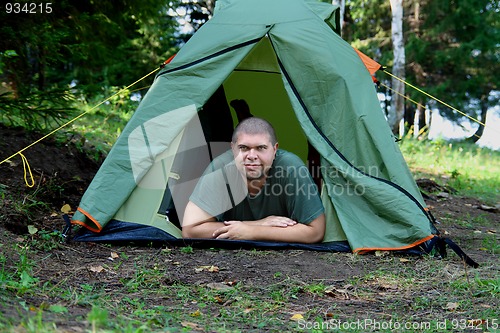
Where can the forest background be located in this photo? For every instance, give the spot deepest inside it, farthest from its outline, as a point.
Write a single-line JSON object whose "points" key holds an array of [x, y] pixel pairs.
{"points": [[69, 55]]}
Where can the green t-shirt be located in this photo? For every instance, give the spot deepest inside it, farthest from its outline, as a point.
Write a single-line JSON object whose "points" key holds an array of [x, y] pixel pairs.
{"points": [[289, 191]]}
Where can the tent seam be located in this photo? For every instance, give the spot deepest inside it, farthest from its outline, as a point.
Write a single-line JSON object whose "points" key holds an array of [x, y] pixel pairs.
{"points": [[213, 55]]}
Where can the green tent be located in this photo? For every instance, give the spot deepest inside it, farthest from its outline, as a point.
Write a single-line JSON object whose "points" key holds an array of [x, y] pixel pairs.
{"points": [[286, 60]]}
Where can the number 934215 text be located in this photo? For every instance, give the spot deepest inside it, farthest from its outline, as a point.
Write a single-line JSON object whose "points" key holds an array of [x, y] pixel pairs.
{"points": [[28, 8]]}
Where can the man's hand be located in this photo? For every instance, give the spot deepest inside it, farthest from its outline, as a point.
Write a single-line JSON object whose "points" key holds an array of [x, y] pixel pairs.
{"points": [[274, 221], [233, 230], [242, 230]]}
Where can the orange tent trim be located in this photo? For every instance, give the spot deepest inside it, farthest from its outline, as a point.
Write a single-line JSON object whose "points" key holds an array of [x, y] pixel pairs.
{"points": [[371, 65], [362, 250], [98, 225]]}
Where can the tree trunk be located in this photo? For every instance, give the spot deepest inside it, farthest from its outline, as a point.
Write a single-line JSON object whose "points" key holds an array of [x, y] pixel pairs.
{"points": [[423, 128], [409, 118], [398, 69], [480, 130]]}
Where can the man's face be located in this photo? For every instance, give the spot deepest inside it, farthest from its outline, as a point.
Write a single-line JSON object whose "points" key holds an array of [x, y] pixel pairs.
{"points": [[254, 154]]}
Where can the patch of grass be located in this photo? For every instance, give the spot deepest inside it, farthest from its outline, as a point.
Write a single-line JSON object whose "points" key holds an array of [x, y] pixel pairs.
{"points": [[471, 170], [491, 244], [146, 297], [18, 278]]}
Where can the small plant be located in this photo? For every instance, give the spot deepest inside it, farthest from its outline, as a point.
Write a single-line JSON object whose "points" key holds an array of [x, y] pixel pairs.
{"points": [[187, 250], [20, 279], [98, 318], [489, 286], [47, 240], [317, 289]]}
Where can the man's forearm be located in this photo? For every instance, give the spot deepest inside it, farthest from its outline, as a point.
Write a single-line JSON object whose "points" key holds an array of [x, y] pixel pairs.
{"points": [[299, 233], [202, 230]]}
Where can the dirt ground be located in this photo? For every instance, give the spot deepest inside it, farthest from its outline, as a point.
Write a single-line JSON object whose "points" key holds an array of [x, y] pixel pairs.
{"points": [[62, 173]]}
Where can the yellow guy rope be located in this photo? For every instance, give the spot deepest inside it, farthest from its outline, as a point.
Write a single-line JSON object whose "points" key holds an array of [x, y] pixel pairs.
{"points": [[27, 168], [418, 104], [434, 98], [25, 160]]}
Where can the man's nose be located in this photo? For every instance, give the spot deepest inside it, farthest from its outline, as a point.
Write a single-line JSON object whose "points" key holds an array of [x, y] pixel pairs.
{"points": [[252, 153]]}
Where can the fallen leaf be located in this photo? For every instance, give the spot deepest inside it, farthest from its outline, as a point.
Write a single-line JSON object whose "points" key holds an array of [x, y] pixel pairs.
{"points": [[477, 231], [218, 299], [218, 286], [54, 215], [381, 253], [11, 163], [197, 313], [491, 231], [66, 209], [337, 293], [32, 229], [207, 269], [190, 325], [114, 255], [451, 306], [96, 269], [297, 317], [404, 260]]}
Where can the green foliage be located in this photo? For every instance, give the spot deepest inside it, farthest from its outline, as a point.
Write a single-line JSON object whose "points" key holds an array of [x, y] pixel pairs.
{"points": [[18, 279], [187, 249], [86, 45], [456, 49], [98, 318], [7, 54], [469, 169], [98, 129], [40, 111], [451, 50], [491, 244]]}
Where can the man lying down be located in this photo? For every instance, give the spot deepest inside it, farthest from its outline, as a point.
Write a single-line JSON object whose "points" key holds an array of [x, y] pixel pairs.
{"points": [[255, 191]]}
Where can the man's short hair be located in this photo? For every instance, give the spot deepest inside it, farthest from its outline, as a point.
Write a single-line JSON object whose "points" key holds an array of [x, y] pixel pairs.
{"points": [[255, 125]]}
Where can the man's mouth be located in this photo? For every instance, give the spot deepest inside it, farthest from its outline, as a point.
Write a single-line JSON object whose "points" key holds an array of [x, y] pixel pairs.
{"points": [[252, 166]]}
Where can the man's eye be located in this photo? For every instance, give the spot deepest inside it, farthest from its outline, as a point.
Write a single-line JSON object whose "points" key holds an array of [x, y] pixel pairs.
{"points": [[244, 148]]}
